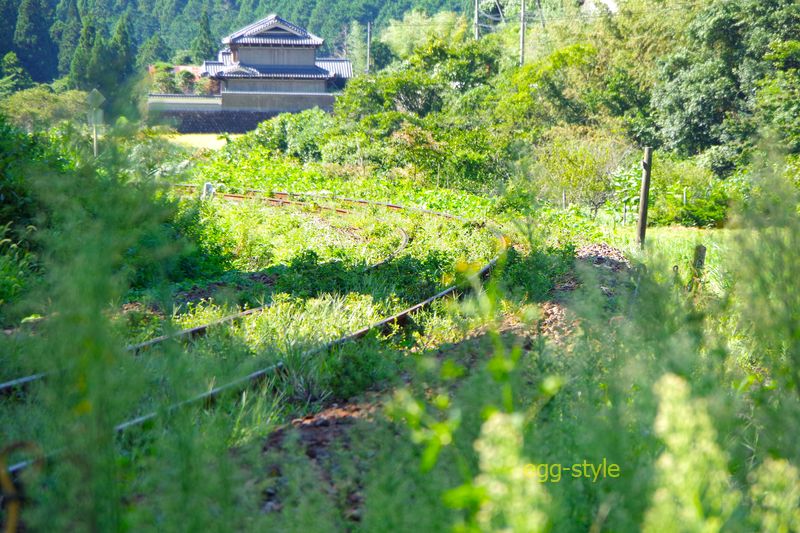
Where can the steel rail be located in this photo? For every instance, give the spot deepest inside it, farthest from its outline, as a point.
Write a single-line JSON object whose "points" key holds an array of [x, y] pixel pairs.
{"points": [[258, 375], [6, 388]]}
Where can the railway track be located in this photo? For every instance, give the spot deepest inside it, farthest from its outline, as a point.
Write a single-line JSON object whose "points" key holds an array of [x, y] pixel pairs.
{"points": [[238, 384], [9, 387]]}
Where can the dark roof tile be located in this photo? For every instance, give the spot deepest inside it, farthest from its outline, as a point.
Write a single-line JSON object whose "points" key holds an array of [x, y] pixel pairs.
{"points": [[272, 31]]}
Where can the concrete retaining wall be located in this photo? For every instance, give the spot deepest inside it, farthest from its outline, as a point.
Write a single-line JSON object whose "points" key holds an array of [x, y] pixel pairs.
{"points": [[212, 122]]}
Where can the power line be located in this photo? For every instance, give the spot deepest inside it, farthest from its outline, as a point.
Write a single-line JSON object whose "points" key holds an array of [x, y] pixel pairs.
{"points": [[582, 16]]}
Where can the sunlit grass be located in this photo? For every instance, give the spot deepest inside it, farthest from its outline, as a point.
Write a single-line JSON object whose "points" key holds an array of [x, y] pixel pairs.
{"points": [[201, 141]]}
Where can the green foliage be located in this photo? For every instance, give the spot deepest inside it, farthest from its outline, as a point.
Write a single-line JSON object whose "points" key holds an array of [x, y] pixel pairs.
{"points": [[416, 28], [17, 266], [8, 23], [164, 81], [79, 67], [778, 97], [32, 40], [300, 135], [122, 49], [185, 81], [708, 88], [580, 166], [357, 47], [694, 396], [66, 31], [204, 46], [707, 197], [381, 56], [40, 108], [693, 103], [19, 153], [353, 370], [405, 91], [152, 51], [462, 65], [13, 77]]}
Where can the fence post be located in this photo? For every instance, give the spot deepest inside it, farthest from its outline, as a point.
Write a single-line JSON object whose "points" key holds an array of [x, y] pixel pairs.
{"points": [[647, 164], [698, 264]]}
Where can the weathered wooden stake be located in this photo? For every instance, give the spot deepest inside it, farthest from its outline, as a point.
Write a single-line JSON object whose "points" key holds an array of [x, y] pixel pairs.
{"points": [[647, 164], [563, 199], [698, 264]]}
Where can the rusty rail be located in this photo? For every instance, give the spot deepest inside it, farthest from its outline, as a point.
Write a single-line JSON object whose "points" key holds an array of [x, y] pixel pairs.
{"points": [[261, 374], [10, 386]]}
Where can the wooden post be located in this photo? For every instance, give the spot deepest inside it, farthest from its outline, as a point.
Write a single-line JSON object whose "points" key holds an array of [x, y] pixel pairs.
{"points": [[647, 164], [698, 264], [563, 199], [522, 34]]}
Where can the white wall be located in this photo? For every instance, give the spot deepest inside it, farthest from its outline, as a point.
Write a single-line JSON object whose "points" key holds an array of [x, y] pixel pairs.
{"points": [[275, 102], [280, 86], [277, 56]]}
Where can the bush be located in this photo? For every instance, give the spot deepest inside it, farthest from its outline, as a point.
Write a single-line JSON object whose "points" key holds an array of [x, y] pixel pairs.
{"points": [[40, 108], [707, 197], [579, 163]]}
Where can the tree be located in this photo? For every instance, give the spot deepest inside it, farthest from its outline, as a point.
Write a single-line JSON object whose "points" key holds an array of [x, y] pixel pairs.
{"points": [[185, 81], [79, 67], [580, 164], [404, 36], [8, 23], [356, 45], [32, 39], [39, 108], [778, 99], [100, 67], [152, 51], [14, 77], [708, 88], [121, 48], [164, 82], [94, 63], [381, 55], [203, 46], [66, 31]]}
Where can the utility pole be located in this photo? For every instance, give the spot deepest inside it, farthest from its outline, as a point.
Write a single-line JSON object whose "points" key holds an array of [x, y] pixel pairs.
{"points": [[477, 34], [647, 164], [369, 42], [522, 34], [541, 12]]}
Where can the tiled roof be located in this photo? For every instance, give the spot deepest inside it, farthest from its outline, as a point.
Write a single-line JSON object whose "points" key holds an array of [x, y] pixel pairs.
{"points": [[216, 69], [341, 68], [272, 31], [225, 55]]}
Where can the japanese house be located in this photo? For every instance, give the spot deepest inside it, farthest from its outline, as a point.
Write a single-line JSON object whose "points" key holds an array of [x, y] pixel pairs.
{"points": [[266, 68]]}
